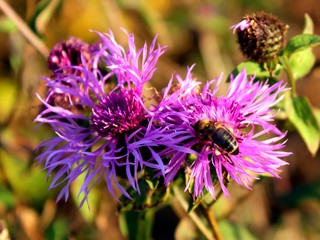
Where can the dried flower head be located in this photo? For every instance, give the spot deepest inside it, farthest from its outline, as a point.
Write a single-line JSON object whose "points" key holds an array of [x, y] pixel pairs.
{"points": [[261, 36]]}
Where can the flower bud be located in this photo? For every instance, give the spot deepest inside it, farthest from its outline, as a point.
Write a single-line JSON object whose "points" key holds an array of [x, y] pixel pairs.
{"points": [[261, 36], [69, 53]]}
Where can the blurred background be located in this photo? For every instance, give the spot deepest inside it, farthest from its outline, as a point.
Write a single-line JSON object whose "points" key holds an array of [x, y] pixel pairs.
{"points": [[195, 32]]}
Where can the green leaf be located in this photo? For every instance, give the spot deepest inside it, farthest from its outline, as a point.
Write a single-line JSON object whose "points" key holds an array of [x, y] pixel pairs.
{"points": [[317, 115], [301, 63], [59, 229], [256, 69], [7, 199], [7, 25], [136, 225], [308, 25], [301, 42], [301, 115], [233, 231], [42, 13], [8, 95], [28, 183]]}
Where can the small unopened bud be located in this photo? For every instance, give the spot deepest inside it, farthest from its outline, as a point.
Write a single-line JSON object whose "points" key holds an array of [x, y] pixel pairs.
{"points": [[69, 53], [261, 36]]}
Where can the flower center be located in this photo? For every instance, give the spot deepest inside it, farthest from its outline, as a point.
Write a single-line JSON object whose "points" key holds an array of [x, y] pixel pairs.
{"points": [[117, 113]]}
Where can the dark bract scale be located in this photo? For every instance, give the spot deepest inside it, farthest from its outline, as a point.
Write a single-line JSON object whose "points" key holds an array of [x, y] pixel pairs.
{"points": [[217, 134], [261, 36]]}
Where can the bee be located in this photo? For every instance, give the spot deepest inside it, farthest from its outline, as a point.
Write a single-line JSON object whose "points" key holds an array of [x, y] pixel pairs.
{"points": [[218, 134]]}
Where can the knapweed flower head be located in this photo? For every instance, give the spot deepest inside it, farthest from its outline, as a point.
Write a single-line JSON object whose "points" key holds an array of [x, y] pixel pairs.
{"points": [[70, 53], [97, 126], [261, 36], [226, 136], [64, 56]]}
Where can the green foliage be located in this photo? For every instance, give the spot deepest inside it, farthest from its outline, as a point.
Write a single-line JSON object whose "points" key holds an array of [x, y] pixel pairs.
{"points": [[7, 199], [298, 60], [193, 204], [42, 13], [40, 8], [301, 62], [59, 229], [152, 193], [29, 184], [259, 70], [301, 115], [7, 25], [233, 231], [301, 42], [7, 95], [138, 224]]}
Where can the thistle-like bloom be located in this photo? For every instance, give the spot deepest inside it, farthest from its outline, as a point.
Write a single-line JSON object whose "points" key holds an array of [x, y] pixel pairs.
{"points": [[227, 136], [96, 127], [69, 53]]}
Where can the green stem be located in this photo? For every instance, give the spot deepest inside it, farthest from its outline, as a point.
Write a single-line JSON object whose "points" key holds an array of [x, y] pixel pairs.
{"points": [[24, 29], [226, 182], [214, 223], [285, 62], [194, 217]]}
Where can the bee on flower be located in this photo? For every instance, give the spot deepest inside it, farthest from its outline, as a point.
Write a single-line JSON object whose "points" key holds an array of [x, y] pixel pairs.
{"points": [[223, 133]]}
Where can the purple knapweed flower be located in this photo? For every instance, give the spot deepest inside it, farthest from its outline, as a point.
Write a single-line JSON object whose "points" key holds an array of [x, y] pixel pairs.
{"points": [[212, 137], [97, 126], [64, 56], [69, 53]]}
